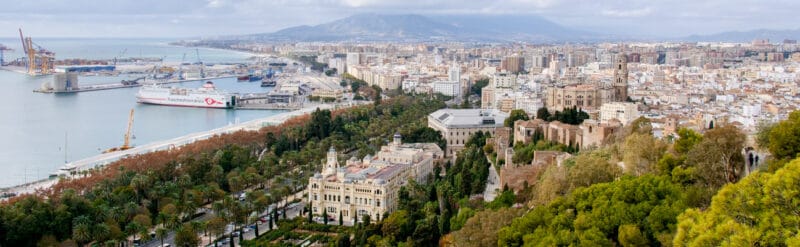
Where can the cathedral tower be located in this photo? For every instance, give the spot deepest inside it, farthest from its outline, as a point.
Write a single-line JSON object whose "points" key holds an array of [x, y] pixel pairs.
{"points": [[621, 78]]}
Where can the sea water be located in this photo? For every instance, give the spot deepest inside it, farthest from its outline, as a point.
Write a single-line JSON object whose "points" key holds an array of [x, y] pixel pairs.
{"points": [[40, 132]]}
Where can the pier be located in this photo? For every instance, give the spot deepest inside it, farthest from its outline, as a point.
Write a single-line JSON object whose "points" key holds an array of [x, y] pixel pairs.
{"points": [[109, 86], [274, 100]]}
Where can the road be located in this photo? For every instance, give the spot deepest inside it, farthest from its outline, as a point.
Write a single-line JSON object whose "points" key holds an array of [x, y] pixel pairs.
{"points": [[292, 211], [492, 185]]}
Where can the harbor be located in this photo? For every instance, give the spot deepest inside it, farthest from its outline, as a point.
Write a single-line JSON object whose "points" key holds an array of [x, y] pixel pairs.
{"points": [[75, 168], [109, 86], [78, 106]]}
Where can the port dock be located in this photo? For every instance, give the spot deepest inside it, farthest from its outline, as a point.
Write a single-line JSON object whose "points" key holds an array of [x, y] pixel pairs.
{"points": [[109, 86]]}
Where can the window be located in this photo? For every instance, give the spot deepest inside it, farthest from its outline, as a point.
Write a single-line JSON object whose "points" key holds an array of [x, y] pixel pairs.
{"points": [[314, 186], [315, 210], [347, 200], [315, 196], [378, 202]]}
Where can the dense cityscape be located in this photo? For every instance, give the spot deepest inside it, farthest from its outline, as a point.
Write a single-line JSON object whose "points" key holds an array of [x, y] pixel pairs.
{"points": [[407, 130]]}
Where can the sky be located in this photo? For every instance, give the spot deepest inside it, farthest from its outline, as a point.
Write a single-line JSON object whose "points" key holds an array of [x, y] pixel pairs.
{"points": [[208, 18]]}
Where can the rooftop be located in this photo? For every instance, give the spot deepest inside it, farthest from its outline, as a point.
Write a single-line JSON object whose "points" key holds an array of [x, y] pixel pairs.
{"points": [[469, 117]]}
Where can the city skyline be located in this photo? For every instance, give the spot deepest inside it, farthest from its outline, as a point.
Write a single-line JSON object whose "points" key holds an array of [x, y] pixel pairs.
{"points": [[179, 19]]}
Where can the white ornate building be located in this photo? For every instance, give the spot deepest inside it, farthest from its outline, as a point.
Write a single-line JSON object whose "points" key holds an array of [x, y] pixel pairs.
{"points": [[370, 186]]}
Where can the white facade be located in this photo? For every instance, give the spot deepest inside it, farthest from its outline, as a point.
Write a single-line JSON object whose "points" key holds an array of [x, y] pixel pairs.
{"points": [[455, 72], [504, 80], [353, 59], [457, 125], [625, 112], [370, 186], [449, 88]]}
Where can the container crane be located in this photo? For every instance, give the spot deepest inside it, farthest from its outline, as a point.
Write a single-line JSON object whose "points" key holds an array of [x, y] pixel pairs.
{"points": [[180, 68], [202, 73], [121, 53], [127, 140], [2, 50], [45, 57]]}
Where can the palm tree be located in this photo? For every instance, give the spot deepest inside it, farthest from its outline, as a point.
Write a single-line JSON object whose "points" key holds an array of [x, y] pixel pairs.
{"points": [[216, 226], [133, 228], [101, 232], [82, 229], [161, 233]]}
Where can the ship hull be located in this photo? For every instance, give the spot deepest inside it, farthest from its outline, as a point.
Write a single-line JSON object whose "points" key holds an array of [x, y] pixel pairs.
{"points": [[162, 96]]}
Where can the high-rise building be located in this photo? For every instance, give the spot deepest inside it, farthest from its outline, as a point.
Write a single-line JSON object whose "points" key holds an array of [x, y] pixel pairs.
{"points": [[513, 64], [455, 72], [353, 59], [539, 61]]}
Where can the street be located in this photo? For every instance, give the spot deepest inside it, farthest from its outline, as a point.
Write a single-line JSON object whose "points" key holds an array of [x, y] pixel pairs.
{"points": [[293, 210]]}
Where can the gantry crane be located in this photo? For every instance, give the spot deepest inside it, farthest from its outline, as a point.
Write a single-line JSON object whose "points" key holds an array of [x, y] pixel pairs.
{"points": [[200, 62], [37, 56], [2, 50], [127, 141]]}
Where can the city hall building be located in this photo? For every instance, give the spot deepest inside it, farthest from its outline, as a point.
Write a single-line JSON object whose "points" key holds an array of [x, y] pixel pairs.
{"points": [[370, 186]]}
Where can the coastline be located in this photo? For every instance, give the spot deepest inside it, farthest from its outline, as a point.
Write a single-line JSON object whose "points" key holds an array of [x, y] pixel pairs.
{"points": [[73, 168]]}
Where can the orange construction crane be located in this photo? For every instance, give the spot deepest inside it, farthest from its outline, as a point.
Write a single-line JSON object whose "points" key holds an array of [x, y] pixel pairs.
{"points": [[127, 142]]}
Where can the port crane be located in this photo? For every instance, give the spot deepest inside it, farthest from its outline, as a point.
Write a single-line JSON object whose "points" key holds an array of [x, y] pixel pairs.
{"points": [[2, 50], [180, 68], [121, 53], [200, 62], [37, 56], [127, 141]]}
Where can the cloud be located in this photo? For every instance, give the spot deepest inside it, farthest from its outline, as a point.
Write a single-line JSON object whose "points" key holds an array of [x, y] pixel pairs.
{"points": [[215, 3], [190, 18], [628, 13]]}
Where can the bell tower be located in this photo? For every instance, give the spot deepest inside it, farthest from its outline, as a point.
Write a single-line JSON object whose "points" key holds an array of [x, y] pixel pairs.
{"points": [[332, 163], [621, 78]]}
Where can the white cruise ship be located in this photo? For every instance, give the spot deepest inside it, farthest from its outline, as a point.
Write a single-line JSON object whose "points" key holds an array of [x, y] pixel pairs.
{"points": [[206, 96]]}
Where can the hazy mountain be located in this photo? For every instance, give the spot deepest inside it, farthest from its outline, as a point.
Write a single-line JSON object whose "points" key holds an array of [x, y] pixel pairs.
{"points": [[379, 27], [747, 36]]}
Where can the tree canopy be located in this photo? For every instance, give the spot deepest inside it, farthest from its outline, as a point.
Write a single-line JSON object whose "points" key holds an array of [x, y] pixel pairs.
{"points": [[516, 114], [627, 211], [760, 210]]}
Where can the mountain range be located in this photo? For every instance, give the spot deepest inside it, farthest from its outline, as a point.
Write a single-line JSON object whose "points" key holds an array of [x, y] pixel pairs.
{"points": [[378, 27], [746, 36], [477, 28]]}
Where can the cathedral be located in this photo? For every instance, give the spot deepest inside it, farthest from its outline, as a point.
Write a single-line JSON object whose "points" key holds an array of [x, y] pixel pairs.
{"points": [[590, 96]]}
